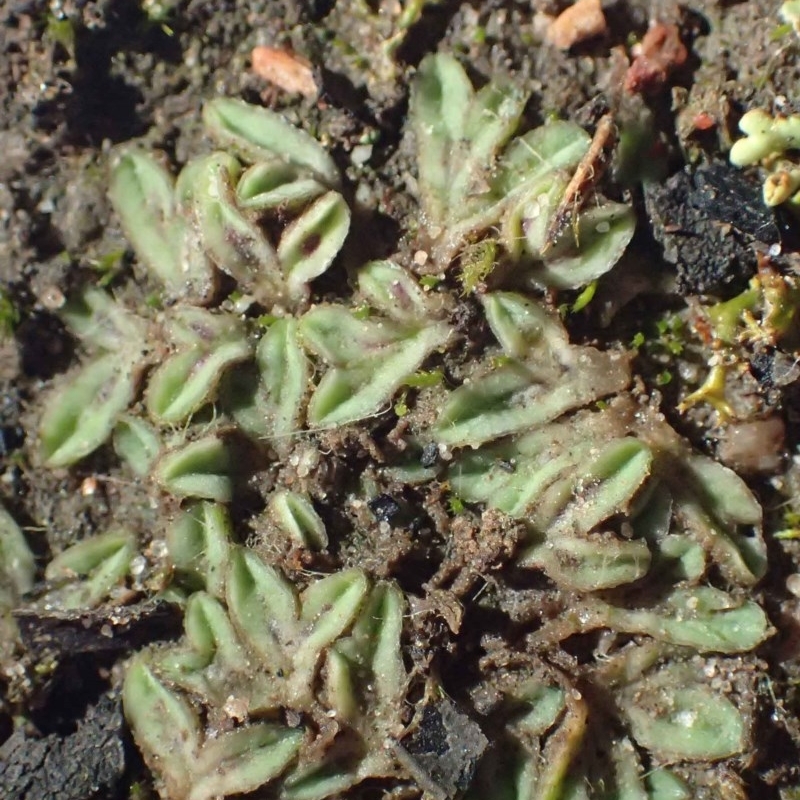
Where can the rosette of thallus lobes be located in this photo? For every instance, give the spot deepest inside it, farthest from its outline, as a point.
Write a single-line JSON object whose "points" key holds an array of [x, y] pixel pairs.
{"points": [[302, 685]]}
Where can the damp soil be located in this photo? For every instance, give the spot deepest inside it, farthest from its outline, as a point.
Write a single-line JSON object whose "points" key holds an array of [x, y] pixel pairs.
{"points": [[80, 76]]}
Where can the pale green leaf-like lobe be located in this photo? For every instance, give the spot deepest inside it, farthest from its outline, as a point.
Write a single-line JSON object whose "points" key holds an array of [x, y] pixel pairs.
{"points": [[392, 291], [263, 606], [707, 619], [17, 564], [294, 514], [103, 323], [204, 468], [514, 396], [259, 134], [684, 723], [334, 333], [340, 691], [361, 390], [86, 555], [188, 380], [372, 651], [137, 443], [440, 98], [311, 242], [720, 512], [271, 186], [546, 379], [627, 771], [236, 244], [491, 118], [80, 416], [141, 191], [370, 357], [211, 635], [164, 725], [543, 704], [526, 222], [588, 250], [318, 783], [241, 761], [591, 564], [99, 563], [554, 147], [703, 618], [329, 607], [199, 544], [267, 398], [604, 488], [523, 326], [665, 785]]}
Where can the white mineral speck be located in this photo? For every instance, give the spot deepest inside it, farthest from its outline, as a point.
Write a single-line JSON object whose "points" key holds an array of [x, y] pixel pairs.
{"points": [[686, 718], [159, 548], [138, 566], [793, 584], [361, 154]]}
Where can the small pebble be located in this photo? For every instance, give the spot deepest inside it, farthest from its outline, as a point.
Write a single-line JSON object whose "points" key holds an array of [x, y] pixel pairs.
{"points": [[284, 69], [581, 21]]}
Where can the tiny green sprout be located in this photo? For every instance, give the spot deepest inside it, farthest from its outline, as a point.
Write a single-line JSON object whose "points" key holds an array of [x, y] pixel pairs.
{"points": [[780, 31], [477, 263], [61, 31], [663, 378], [584, 298], [637, 341], [108, 267], [422, 379], [9, 315], [154, 301], [671, 334], [430, 281], [455, 504], [266, 320], [401, 407], [791, 526], [501, 361]]}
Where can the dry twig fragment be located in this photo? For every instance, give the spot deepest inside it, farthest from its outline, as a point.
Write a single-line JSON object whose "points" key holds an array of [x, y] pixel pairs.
{"points": [[284, 69], [582, 20], [585, 178], [660, 51]]}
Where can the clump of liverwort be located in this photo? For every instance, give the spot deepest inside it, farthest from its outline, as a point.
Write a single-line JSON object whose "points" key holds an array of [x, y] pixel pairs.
{"points": [[302, 671]]}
